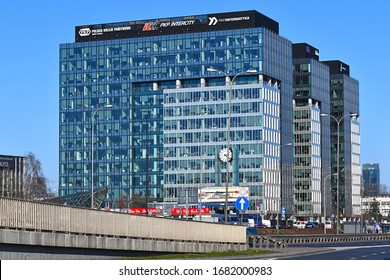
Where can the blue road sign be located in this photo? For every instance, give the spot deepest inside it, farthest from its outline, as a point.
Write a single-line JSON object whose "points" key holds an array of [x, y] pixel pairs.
{"points": [[283, 211], [242, 203]]}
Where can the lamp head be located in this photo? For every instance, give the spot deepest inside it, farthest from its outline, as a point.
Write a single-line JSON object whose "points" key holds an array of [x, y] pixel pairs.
{"points": [[212, 69], [251, 71]]}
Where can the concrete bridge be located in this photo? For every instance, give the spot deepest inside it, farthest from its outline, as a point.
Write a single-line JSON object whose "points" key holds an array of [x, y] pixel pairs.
{"points": [[28, 223]]}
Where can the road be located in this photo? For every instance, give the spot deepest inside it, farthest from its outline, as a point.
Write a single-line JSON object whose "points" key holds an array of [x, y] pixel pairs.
{"points": [[347, 251]]}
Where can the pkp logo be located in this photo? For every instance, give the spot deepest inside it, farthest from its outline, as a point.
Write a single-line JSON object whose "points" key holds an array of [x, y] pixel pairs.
{"points": [[84, 32], [149, 26], [213, 20]]}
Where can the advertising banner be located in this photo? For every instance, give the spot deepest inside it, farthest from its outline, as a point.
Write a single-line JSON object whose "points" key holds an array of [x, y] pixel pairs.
{"points": [[214, 195], [177, 25], [7, 163]]}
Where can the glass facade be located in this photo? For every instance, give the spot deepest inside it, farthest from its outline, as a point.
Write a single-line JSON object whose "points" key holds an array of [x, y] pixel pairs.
{"points": [[312, 167], [195, 121], [82, 199], [134, 76], [345, 101], [371, 179], [307, 160]]}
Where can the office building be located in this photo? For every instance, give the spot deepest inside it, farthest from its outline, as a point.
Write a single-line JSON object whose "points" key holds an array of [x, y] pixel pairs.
{"points": [[12, 170], [311, 134], [371, 179], [166, 118], [344, 100]]}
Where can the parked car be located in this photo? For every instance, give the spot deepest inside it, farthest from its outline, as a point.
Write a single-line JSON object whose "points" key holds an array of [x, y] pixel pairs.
{"points": [[300, 224], [328, 224], [251, 231], [312, 225]]}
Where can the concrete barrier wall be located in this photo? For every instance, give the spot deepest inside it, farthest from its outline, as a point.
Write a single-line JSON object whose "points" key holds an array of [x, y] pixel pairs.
{"points": [[57, 241], [50, 217]]}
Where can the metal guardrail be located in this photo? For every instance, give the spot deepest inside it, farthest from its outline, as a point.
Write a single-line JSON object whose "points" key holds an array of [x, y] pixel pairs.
{"points": [[266, 242], [333, 238], [282, 241]]}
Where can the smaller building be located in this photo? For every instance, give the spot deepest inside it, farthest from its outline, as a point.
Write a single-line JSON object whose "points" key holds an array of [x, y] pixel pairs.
{"points": [[12, 170], [82, 199], [383, 206]]}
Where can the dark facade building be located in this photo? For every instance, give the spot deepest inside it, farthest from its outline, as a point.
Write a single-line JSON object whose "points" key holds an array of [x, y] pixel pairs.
{"points": [[167, 116], [344, 100], [12, 176], [312, 166], [371, 179]]}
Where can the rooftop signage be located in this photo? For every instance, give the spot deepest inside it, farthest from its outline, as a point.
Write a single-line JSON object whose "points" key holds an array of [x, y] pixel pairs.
{"points": [[7, 163], [177, 25], [338, 67]]}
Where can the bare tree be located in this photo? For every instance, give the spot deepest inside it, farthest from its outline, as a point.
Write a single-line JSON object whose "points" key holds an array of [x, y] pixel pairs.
{"points": [[35, 183]]}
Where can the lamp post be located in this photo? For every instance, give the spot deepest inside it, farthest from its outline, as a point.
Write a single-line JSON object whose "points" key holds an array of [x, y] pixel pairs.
{"points": [[92, 149], [338, 121], [201, 170], [324, 197], [200, 175], [147, 166], [251, 71], [280, 181]]}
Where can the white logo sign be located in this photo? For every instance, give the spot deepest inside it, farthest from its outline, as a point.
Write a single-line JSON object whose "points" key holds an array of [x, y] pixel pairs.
{"points": [[85, 32], [213, 20], [342, 68]]}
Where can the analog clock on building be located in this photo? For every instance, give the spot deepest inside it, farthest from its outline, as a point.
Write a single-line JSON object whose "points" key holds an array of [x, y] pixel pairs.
{"points": [[226, 155]]}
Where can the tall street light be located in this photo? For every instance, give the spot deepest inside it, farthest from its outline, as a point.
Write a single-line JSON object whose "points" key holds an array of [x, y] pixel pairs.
{"points": [[280, 181], [92, 148], [201, 171], [249, 71], [326, 177], [338, 121]]}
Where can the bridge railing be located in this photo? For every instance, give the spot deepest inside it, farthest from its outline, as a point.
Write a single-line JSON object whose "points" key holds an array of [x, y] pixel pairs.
{"points": [[331, 238], [31, 215]]}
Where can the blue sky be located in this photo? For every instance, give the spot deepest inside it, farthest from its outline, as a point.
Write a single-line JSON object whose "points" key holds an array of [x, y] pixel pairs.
{"points": [[355, 32]]}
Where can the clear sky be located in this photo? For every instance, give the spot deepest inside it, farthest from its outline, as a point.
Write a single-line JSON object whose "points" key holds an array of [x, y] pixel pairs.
{"points": [[355, 32]]}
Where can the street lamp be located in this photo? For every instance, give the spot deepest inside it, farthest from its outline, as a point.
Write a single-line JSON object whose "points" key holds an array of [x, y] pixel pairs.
{"points": [[201, 171], [280, 184], [338, 121], [200, 174], [326, 177], [92, 151], [250, 71]]}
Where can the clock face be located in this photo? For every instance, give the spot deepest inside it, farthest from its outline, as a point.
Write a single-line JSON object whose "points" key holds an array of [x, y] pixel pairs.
{"points": [[225, 155]]}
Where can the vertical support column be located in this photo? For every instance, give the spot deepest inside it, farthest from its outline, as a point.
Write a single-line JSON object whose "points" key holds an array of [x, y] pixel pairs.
{"points": [[236, 166], [217, 169]]}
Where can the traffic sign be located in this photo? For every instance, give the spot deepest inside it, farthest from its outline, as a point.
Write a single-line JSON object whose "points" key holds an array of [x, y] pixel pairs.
{"points": [[242, 203]]}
